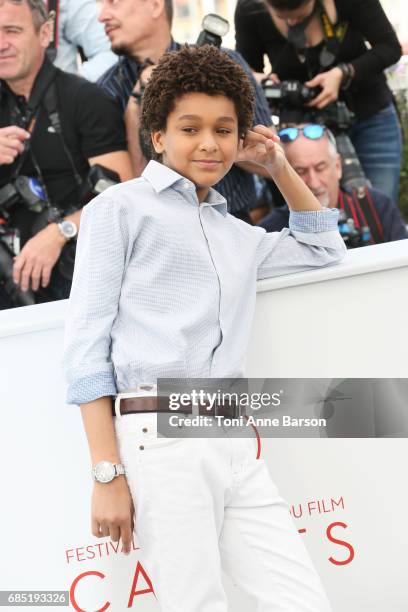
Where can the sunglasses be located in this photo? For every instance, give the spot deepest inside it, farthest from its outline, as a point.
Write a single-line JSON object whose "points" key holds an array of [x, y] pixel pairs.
{"points": [[313, 131]]}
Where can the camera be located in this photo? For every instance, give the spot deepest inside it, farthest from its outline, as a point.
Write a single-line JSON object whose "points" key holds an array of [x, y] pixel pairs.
{"points": [[29, 192], [352, 236], [289, 99], [214, 28], [26, 190], [288, 95]]}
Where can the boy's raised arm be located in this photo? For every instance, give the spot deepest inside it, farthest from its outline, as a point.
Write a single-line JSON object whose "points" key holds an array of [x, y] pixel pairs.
{"points": [[313, 239]]}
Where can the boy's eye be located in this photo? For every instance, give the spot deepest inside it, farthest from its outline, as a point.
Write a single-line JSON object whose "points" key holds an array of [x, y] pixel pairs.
{"points": [[193, 130]]}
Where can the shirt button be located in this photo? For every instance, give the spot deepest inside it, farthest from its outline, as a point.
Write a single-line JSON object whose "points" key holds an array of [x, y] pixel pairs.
{"points": [[186, 185], [144, 429], [141, 447]]}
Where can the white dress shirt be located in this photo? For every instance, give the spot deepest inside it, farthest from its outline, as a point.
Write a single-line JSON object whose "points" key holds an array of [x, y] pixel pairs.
{"points": [[165, 286]]}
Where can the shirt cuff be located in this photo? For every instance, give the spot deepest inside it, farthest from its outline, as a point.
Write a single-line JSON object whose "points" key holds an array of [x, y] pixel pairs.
{"points": [[90, 388], [313, 221]]}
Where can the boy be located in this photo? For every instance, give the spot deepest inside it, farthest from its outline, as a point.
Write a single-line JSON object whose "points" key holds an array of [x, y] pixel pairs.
{"points": [[165, 286]]}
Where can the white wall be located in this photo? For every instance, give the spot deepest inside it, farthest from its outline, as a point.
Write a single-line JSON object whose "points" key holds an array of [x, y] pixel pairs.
{"points": [[346, 321]]}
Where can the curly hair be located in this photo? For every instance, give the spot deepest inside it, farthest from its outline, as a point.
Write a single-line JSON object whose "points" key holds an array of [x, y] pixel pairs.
{"points": [[203, 69]]}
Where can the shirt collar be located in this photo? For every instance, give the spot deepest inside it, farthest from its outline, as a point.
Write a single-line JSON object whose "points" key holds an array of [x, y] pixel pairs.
{"points": [[161, 177], [129, 61]]}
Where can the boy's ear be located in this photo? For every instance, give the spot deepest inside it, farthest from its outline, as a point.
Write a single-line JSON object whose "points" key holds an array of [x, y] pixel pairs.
{"points": [[158, 141]]}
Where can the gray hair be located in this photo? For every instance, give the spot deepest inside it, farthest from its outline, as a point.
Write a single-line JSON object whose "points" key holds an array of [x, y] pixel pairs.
{"points": [[332, 143], [37, 8]]}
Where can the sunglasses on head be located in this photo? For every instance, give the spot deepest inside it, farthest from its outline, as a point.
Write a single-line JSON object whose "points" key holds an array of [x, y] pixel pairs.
{"points": [[313, 131]]}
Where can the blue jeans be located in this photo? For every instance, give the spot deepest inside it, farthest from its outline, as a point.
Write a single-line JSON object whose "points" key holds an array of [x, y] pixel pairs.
{"points": [[378, 144]]}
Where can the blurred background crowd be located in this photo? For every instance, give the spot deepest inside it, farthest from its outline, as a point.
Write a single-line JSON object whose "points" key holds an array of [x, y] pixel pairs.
{"points": [[331, 76]]}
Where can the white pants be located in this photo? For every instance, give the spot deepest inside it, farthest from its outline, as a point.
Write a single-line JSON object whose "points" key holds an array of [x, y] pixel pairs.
{"points": [[207, 505]]}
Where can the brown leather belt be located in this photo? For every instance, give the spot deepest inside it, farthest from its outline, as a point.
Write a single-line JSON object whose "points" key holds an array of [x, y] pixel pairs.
{"points": [[149, 403]]}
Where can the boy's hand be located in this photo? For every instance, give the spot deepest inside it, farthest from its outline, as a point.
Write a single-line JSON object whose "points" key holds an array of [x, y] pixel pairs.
{"points": [[261, 146], [112, 512]]}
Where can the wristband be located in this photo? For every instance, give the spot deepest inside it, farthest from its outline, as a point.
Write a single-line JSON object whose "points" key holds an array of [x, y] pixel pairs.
{"points": [[348, 74]]}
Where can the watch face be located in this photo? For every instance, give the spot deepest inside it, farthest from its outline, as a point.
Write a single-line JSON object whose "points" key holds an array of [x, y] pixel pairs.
{"points": [[69, 229], [104, 471]]}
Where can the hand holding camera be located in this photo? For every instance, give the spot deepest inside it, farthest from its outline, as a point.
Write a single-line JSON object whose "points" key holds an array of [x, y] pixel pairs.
{"points": [[12, 140]]}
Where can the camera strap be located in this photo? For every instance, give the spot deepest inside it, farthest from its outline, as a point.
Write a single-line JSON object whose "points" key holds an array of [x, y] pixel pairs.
{"points": [[27, 120], [359, 206], [44, 92], [51, 106], [333, 37], [53, 17], [365, 204]]}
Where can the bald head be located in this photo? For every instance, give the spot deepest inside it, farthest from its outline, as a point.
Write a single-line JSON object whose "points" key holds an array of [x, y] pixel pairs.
{"points": [[318, 165]]}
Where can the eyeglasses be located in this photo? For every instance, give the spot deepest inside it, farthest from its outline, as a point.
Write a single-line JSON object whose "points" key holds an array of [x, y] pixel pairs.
{"points": [[313, 131]]}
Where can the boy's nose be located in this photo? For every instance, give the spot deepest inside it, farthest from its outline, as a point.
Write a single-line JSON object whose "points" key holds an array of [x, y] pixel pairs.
{"points": [[208, 144]]}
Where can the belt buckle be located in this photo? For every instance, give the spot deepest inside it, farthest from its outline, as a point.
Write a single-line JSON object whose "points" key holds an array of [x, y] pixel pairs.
{"points": [[235, 412], [118, 399], [144, 389]]}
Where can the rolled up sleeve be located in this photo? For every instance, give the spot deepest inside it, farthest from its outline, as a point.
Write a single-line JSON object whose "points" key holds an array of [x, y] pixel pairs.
{"points": [[312, 241], [102, 251]]}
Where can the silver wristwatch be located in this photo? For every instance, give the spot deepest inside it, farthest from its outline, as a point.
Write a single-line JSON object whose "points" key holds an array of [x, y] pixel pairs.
{"points": [[105, 471], [68, 229]]}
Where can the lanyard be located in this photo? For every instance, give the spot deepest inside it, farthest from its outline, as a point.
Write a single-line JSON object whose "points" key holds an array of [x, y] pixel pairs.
{"points": [[44, 92], [28, 120], [333, 37]]}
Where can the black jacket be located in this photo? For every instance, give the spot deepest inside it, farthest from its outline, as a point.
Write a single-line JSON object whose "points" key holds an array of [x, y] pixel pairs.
{"points": [[257, 35]]}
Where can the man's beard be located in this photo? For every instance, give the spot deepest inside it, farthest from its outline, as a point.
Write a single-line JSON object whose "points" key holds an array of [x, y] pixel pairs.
{"points": [[121, 50], [324, 198]]}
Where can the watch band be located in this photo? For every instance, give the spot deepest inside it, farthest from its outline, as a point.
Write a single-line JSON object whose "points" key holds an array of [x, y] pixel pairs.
{"points": [[119, 470]]}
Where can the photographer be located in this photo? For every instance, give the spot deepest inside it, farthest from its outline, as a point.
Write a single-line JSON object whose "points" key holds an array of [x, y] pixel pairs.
{"points": [[79, 29], [369, 217], [322, 43], [140, 32], [53, 127]]}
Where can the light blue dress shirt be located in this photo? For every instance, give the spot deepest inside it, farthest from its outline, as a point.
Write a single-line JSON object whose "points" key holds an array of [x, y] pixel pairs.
{"points": [[78, 26], [165, 287]]}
